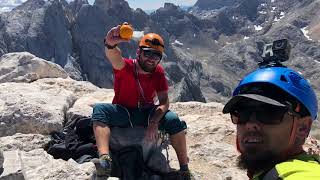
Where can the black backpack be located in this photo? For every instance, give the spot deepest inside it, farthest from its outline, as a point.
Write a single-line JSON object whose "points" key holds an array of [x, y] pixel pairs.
{"points": [[76, 141]]}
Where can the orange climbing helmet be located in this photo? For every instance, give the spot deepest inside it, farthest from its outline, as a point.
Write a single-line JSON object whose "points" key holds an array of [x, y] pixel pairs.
{"points": [[153, 41]]}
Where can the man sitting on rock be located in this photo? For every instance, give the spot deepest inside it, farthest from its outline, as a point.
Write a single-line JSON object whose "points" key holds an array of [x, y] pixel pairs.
{"points": [[137, 82], [274, 108]]}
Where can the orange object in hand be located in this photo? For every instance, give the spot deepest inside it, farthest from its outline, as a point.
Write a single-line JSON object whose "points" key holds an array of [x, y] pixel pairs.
{"points": [[126, 31]]}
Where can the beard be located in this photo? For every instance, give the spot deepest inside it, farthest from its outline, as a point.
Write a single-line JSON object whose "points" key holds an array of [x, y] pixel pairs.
{"points": [[257, 158], [262, 161], [145, 67]]}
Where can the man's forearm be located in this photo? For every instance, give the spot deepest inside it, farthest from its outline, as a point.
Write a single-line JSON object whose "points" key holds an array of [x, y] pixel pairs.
{"points": [[113, 53], [115, 57]]}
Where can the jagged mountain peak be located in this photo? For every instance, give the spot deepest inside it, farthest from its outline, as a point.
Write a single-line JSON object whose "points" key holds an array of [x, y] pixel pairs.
{"points": [[214, 4], [108, 4]]}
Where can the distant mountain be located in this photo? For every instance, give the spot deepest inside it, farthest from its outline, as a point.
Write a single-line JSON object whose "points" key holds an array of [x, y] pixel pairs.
{"points": [[208, 47], [186, 8], [214, 4], [149, 11]]}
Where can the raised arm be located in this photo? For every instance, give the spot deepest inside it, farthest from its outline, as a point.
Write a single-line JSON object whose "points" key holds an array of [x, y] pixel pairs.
{"points": [[113, 52]]}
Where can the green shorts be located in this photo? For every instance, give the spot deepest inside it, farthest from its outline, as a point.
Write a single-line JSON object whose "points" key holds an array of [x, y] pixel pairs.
{"points": [[119, 116]]}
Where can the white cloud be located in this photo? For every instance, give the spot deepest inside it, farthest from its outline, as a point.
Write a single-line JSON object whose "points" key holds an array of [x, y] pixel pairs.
{"points": [[4, 9], [8, 5], [137, 35]]}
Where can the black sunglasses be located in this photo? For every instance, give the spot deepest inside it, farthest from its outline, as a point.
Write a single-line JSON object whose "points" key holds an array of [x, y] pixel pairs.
{"points": [[269, 115], [152, 55]]}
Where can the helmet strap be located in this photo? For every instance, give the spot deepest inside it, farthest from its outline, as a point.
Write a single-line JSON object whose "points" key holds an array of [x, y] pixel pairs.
{"points": [[290, 150], [238, 145]]}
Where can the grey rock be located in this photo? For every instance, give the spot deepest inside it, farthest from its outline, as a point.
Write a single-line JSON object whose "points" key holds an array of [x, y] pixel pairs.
{"points": [[83, 105], [18, 142], [73, 69], [38, 165], [220, 39], [75, 7], [27, 108], [214, 4], [39, 27], [1, 161], [78, 88], [187, 91], [13, 168], [88, 33], [25, 67]]}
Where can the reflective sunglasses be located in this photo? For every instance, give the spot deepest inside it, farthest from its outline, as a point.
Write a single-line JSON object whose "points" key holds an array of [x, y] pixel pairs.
{"points": [[152, 55], [269, 115]]}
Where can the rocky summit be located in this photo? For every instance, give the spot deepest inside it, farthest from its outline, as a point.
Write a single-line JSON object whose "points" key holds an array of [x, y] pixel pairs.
{"points": [[208, 47], [36, 102]]}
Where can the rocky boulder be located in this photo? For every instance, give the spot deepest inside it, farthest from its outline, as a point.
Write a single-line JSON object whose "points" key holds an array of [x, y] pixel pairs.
{"points": [[26, 67], [31, 110], [1, 162]]}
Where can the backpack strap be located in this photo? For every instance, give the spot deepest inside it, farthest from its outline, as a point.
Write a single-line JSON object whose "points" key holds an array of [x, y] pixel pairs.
{"points": [[139, 87]]}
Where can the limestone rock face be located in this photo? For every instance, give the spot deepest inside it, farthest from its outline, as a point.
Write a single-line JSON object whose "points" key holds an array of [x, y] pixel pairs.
{"points": [[83, 106], [33, 109], [27, 108], [214, 4], [25, 67], [30, 110], [18, 141], [1, 161], [37, 164], [39, 27], [214, 43]]}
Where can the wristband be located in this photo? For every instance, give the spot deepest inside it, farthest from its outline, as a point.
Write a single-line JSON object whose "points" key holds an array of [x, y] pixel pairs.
{"points": [[109, 46]]}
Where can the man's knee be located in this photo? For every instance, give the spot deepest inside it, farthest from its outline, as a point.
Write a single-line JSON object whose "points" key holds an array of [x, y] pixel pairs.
{"points": [[101, 113], [96, 123], [111, 115], [173, 124], [102, 107]]}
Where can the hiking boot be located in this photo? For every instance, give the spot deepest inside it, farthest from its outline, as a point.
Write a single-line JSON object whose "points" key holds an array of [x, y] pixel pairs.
{"points": [[186, 175], [103, 165]]}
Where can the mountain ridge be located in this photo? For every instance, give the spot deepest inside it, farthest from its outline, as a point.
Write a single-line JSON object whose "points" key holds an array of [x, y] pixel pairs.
{"points": [[207, 49]]}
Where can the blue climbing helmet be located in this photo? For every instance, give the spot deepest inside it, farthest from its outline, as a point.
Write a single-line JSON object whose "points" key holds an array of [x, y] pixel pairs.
{"points": [[282, 78]]}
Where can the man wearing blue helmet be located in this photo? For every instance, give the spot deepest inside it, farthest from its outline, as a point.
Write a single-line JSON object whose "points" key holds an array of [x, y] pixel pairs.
{"points": [[274, 108]]}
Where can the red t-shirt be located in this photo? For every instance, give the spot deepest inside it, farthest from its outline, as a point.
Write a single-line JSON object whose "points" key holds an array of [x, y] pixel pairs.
{"points": [[126, 89]]}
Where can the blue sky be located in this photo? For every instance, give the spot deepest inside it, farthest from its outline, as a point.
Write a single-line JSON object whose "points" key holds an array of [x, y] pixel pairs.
{"points": [[7, 5], [155, 4]]}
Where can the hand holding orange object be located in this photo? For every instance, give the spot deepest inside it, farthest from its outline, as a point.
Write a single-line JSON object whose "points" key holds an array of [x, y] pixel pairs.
{"points": [[126, 31]]}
